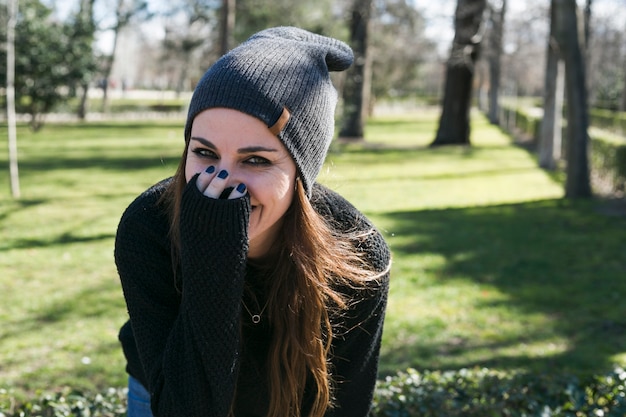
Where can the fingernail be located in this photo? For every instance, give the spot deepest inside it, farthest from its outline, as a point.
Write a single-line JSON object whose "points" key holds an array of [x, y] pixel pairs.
{"points": [[241, 188], [223, 174], [210, 169]]}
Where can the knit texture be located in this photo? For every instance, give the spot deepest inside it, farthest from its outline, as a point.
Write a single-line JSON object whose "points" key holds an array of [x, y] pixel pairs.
{"points": [[189, 342], [277, 70]]}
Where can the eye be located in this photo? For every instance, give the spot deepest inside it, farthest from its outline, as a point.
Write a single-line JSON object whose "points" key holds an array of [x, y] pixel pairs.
{"points": [[205, 153], [257, 160]]}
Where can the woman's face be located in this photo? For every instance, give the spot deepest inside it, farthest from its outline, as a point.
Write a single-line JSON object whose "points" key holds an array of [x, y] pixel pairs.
{"points": [[244, 147]]}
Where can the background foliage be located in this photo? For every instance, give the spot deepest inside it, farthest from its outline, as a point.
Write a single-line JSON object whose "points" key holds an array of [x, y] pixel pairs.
{"points": [[409, 44]]}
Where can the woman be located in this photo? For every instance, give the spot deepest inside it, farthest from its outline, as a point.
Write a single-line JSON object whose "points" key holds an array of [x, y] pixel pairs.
{"points": [[251, 289]]}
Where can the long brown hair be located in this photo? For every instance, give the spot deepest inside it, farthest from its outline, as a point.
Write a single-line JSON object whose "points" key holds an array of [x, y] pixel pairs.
{"points": [[312, 261]]}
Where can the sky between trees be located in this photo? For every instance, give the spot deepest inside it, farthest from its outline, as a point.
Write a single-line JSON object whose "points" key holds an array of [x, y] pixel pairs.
{"points": [[438, 15]]}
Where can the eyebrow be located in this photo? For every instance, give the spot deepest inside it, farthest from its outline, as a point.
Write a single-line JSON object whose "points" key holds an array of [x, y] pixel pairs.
{"points": [[247, 149]]}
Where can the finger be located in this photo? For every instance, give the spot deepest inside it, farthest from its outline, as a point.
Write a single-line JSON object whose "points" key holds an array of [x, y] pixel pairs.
{"points": [[238, 192], [217, 185], [204, 179]]}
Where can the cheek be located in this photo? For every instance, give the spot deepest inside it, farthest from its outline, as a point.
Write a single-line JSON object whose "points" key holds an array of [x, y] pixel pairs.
{"points": [[276, 192], [191, 169], [283, 197]]}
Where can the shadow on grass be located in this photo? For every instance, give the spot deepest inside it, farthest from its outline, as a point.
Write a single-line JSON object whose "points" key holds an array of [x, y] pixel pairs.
{"points": [[6, 209], [556, 258], [385, 153], [65, 238], [63, 325], [501, 172], [39, 165], [89, 302]]}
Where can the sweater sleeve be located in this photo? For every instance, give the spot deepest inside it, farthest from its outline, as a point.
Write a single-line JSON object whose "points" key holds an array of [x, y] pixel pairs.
{"points": [[357, 339], [188, 351]]}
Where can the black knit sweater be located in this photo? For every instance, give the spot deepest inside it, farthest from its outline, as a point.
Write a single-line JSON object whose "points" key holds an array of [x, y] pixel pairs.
{"points": [[189, 342]]}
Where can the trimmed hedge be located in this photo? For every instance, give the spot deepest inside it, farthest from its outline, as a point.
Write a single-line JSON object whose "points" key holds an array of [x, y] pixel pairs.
{"points": [[528, 121], [65, 403], [608, 158], [119, 106], [522, 121], [607, 149], [466, 392], [484, 392], [609, 120]]}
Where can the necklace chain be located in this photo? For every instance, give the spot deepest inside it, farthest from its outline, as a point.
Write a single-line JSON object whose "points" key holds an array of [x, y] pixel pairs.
{"points": [[256, 318]]}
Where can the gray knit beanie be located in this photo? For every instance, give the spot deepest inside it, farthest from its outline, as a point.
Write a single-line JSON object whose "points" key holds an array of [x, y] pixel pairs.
{"points": [[280, 76]]}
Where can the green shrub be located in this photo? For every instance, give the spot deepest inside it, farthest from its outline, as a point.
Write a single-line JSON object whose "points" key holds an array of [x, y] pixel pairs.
{"points": [[608, 158], [483, 393], [129, 106], [609, 120], [66, 403], [462, 393], [167, 107], [524, 121], [607, 142]]}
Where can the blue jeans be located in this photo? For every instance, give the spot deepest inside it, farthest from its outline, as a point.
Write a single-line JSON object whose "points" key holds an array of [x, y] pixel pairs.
{"points": [[138, 400]]}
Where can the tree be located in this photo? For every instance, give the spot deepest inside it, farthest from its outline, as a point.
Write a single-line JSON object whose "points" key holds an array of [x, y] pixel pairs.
{"points": [[357, 76], [44, 64], [622, 106], [82, 34], [550, 131], [190, 27], [525, 37], [587, 25], [125, 12], [321, 16], [606, 57], [10, 94], [496, 18], [227, 26], [454, 124], [577, 184], [398, 71]]}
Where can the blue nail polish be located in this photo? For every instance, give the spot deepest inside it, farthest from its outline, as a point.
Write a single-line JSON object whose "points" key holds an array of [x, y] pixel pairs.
{"points": [[241, 188], [223, 174], [210, 169]]}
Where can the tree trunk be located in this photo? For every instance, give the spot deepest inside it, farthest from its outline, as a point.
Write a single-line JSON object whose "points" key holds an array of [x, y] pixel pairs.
{"points": [[586, 40], [354, 105], [550, 133], [577, 183], [86, 15], [227, 25], [454, 124], [84, 102], [497, 18], [481, 80], [182, 79], [587, 25], [10, 97], [123, 16], [108, 69], [623, 102]]}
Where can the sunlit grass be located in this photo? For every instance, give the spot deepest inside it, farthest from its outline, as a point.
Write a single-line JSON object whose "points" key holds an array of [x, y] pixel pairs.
{"points": [[408, 175], [491, 266], [61, 300]]}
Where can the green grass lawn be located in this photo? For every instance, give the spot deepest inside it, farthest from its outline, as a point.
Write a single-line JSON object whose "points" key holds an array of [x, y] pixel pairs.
{"points": [[491, 266]]}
